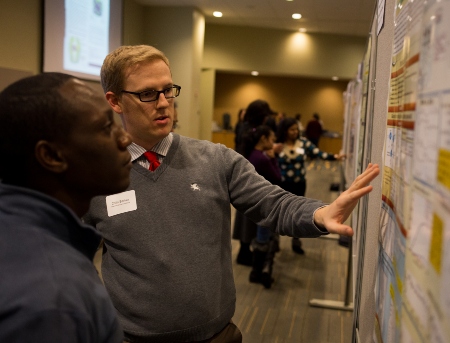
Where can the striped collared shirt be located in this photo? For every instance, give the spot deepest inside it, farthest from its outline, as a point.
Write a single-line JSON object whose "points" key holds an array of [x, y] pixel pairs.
{"points": [[161, 149]]}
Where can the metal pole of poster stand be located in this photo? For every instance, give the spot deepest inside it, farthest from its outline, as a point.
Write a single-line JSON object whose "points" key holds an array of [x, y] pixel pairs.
{"points": [[345, 305], [334, 304]]}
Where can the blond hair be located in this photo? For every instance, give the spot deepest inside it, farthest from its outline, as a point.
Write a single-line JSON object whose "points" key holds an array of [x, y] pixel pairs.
{"points": [[117, 63]]}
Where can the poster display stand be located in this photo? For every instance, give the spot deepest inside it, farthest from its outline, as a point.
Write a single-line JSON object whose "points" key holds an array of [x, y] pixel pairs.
{"points": [[347, 304]]}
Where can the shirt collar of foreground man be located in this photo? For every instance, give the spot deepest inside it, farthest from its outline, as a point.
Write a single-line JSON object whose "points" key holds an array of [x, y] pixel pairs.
{"points": [[167, 263]]}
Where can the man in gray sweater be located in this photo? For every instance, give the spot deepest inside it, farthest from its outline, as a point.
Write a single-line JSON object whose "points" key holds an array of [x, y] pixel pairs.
{"points": [[167, 261]]}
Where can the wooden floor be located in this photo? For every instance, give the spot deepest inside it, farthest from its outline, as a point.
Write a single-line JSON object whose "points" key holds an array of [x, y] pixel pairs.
{"points": [[282, 314]]}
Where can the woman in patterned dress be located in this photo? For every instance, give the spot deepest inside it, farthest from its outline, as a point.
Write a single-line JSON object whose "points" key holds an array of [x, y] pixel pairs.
{"points": [[292, 159]]}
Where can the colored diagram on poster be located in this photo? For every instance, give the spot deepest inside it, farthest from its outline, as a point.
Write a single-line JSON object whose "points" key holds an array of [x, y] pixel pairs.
{"points": [[435, 52], [426, 139], [437, 326], [444, 138], [390, 152], [445, 278], [406, 155], [417, 304], [388, 298], [391, 236], [420, 234]]}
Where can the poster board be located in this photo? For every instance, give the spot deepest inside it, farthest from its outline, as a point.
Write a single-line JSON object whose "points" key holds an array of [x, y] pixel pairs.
{"points": [[412, 300]]}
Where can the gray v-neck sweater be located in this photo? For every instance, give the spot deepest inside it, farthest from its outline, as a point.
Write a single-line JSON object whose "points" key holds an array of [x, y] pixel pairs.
{"points": [[168, 264]]}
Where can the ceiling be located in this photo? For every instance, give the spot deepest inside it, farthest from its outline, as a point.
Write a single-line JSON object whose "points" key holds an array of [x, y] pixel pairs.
{"points": [[343, 17]]}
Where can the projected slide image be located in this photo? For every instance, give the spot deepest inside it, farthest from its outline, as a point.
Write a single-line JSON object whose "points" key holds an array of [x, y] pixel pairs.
{"points": [[86, 38]]}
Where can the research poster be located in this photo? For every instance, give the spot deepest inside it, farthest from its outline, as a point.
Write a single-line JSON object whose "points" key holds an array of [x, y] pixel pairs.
{"points": [[352, 124], [426, 310], [395, 184], [411, 292]]}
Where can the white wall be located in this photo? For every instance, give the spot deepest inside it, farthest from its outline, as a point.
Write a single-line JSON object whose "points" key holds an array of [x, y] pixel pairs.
{"points": [[179, 32], [282, 52]]}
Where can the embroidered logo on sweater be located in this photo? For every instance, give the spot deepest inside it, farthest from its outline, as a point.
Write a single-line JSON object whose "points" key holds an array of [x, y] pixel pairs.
{"points": [[195, 187]]}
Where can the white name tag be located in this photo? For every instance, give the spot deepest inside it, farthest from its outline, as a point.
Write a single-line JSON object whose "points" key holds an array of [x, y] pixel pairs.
{"points": [[121, 203], [300, 151]]}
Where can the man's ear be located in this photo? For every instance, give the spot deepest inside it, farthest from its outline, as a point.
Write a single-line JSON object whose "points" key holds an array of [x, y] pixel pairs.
{"points": [[114, 102], [50, 157]]}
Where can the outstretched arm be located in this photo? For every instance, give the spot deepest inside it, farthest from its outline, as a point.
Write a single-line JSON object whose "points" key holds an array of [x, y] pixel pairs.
{"points": [[333, 216]]}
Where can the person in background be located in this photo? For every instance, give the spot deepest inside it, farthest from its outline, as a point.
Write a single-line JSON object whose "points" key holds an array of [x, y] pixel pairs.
{"points": [[274, 119], [301, 129], [314, 130], [258, 150], [60, 147], [167, 264], [239, 128], [292, 160], [258, 112], [280, 116]]}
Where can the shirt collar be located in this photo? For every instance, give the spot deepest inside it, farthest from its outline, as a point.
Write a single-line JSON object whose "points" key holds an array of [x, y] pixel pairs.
{"points": [[162, 148]]}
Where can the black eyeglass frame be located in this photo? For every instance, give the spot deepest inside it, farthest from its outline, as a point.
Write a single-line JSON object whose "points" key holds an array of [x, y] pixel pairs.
{"points": [[177, 92]]}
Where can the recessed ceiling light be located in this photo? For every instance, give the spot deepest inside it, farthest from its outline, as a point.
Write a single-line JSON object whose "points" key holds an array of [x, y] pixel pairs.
{"points": [[217, 14], [254, 73], [335, 78], [302, 29], [296, 16], [289, 0]]}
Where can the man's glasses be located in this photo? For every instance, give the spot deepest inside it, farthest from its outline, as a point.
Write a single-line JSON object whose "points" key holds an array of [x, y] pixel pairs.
{"points": [[152, 95]]}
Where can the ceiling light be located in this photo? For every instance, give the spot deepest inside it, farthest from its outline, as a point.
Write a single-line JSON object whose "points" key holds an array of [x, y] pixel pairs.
{"points": [[217, 14], [302, 29], [254, 73], [296, 16], [335, 78], [289, 0]]}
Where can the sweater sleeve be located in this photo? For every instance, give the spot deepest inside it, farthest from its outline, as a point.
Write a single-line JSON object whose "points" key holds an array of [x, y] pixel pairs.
{"points": [[266, 204]]}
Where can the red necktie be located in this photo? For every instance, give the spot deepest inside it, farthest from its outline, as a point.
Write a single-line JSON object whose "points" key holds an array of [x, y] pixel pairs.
{"points": [[152, 158]]}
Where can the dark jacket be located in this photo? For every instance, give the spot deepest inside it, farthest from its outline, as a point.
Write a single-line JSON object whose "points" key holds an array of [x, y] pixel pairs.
{"points": [[49, 289]]}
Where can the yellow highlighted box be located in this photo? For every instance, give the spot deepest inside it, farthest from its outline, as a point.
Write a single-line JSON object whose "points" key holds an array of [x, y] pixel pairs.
{"points": [[436, 243], [443, 174]]}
